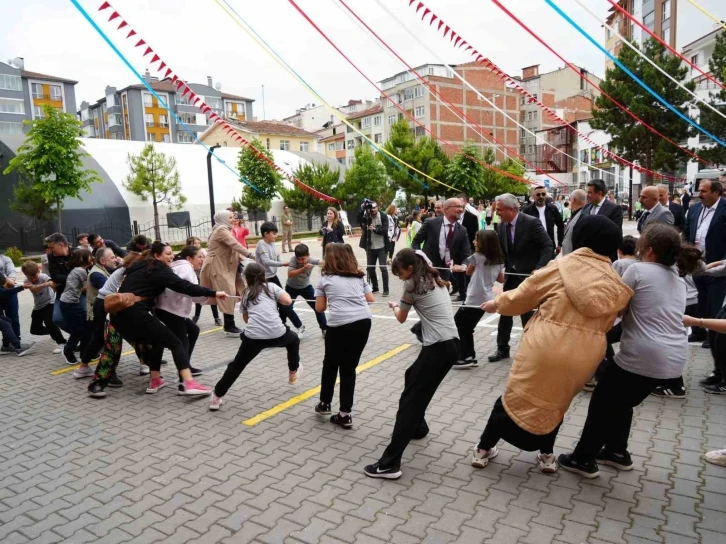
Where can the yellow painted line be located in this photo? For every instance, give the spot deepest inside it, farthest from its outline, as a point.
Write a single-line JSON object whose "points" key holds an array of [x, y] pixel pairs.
{"points": [[71, 368], [315, 390]]}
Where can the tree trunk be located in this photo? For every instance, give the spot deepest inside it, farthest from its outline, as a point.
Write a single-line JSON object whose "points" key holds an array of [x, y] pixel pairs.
{"points": [[59, 209], [157, 233]]}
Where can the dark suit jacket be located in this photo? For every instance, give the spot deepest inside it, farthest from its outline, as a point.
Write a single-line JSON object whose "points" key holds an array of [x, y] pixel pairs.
{"points": [[608, 209], [381, 229], [679, 215], [532, 247], [471, 223], [429, 234], [716, 235], [553, 218]]}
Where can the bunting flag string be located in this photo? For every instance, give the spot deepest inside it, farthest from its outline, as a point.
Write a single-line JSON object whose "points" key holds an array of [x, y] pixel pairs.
{"points": [[454, 109], [228, 128], [479, 58], [394, 102], [708, 14]]}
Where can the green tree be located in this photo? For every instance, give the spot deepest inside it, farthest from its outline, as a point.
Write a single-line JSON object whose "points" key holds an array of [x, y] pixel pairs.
{"points": [[495, 183], [50, 160], [31, 203], [320, 177], [627, 134], [261, 174], [153, 176], [464, 172], [366, 177], [709, 120]]}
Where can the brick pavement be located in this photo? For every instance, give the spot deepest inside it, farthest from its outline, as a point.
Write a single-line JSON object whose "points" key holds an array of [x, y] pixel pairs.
{"points": [[160, 468]]}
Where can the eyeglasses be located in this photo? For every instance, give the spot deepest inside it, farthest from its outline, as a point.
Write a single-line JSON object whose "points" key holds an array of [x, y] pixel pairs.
{"points": [[540, 194]]}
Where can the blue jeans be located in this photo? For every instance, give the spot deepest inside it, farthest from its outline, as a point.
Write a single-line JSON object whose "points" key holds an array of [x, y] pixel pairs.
{"points": [[58, 318], [10, 310], [9, 337], [308, 293]]}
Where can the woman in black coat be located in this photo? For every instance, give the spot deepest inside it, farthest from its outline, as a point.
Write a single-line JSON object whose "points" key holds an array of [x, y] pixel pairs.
{"points": [[332, 230]]}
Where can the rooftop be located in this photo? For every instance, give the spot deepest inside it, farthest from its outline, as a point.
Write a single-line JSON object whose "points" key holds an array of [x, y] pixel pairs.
{"points": [[271, 127], [365, 113], [36, 75]]}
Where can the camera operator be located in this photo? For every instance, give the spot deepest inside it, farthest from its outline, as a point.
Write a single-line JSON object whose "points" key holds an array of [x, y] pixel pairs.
{"points": [[374, 239]]}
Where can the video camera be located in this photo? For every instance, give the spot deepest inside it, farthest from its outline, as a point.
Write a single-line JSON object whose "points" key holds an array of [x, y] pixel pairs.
{"points": [[367, 208]]}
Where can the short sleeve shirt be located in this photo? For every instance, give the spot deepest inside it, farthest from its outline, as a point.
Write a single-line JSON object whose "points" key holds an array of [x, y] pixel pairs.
{"points": [[263, 319], [302, 280], [346, 299], [480, 288], [434, 310], [45, 296]]}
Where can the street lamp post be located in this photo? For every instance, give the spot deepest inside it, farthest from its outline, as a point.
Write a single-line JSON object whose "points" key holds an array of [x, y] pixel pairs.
{"points": [[209, 178]]}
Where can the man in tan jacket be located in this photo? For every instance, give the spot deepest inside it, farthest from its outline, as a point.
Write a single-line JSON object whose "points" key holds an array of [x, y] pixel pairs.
{"points": [[286, 221]]}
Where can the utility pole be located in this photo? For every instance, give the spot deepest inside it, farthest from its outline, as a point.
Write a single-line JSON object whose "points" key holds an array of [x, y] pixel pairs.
{"points": [[209, 179]]}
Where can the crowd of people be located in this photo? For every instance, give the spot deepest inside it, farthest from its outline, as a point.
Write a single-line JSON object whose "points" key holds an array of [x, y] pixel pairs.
{"points": [[565, 279]]}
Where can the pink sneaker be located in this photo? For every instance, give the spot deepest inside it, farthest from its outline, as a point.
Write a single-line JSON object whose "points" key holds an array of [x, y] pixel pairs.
{"points": [[216, 402], [293, 377], [154, 385], [192, 387]]}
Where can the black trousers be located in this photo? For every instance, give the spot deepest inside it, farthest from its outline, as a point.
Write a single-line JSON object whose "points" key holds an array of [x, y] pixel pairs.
{"points": [[422, 379], [501, 426], [97, 326], [711, 293], [249, 349], [198, 310], [286, 310], [466, 320], [41, 324], [718, 348], [307, 293], [343, 348], [374, 256], [610, 413], [184, 328], [506, 322], [137, 324]]}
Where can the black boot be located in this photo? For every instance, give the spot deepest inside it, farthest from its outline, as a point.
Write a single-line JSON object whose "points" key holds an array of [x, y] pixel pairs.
{"points": [[500, 354]]}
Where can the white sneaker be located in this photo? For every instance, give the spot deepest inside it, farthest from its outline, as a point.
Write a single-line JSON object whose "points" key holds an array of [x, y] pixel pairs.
{"points": [[83, 372], [480, 458], [295, 376], [58, 350], [547, 462], [716, 457], [301, 332], [144, 370], [216, 402]]}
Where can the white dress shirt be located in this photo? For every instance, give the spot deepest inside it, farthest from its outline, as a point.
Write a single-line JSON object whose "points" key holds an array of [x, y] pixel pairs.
{"points": [[444, 252], [595, 208], [704, 222], [541, 211]]}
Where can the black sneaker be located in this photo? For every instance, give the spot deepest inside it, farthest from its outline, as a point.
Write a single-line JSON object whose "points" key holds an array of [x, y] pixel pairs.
{"points": [[96, 391], [498, 356], [375, 471], [588, 469], [24, 348], [233, 331], [469, 362], [590, 385], [69, 357], [342, 421], [195, 319], [7, 350], [706, 345], [416, 330], [374, 290], [164, 362], [114, 381], [620, 461], [196, 371], [385, 292], [716, 389], [669, 392], [711, 379], [323, 408]]}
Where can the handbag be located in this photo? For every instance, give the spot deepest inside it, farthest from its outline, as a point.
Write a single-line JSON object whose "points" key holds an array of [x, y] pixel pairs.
{"points": [[116, 302]]}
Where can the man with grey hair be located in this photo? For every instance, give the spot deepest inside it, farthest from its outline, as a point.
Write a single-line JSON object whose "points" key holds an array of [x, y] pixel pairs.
{"points": [[679, 214], [526, 246], [578, 199]]}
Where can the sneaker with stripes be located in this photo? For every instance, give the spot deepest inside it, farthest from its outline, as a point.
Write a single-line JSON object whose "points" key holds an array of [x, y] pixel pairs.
{"points": [[669, 392]]}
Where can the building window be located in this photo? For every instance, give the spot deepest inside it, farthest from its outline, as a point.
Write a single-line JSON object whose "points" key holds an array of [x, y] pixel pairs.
{"points": [[10, 83], [304, 147], [530, 149], [38, 113], [214, 102], [694, 59], [420, 112], [350, 161], [7, 127], [163, 121], [165, 138], [366, 122], [339, 146], [37, 90], [188, 118], [331, 147], [12, 105], [84, 115], [408, 94], [114, 119], [378, 138], [391, 119], [268, 143], [148, 102], [649, 20], [183, 137], [420, 131], [377, 120], [150, 137], [418, 92], [182, 100], [284, 145], [666, 10], [111, 100], [149, 119], [521, 133], [351, 144], [55, 92], [666, 35]]}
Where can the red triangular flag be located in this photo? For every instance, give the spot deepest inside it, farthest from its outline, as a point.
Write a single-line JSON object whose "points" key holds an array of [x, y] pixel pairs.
{"points": [[123, 24], [168, 71], [433, 18], [420, 5], [410, 2], [441, 23], [173, 79], [113, 16], [446, 30], [186, 90], [456, 42], [148, 50], [426, 12], [154, 58], [105, 5], [132, 32], [140, 43]]}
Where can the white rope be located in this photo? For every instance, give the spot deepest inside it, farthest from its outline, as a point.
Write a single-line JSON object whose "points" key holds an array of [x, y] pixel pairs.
{"points": [[643, 55], [434, 267], [538, 139]]}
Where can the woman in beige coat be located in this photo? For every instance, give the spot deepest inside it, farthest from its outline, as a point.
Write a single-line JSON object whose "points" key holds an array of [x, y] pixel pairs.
{"points": [[219, 271], [579, 297]]}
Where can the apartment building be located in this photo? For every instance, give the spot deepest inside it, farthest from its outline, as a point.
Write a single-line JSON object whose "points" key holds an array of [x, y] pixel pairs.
{"points": [[133, 113], [23, 93], [659, 16], [406, 90], [272, 134], [368, 122]]}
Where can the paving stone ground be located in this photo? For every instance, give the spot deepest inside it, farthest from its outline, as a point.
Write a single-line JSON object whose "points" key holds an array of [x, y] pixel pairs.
{"points": [[161, 468]]}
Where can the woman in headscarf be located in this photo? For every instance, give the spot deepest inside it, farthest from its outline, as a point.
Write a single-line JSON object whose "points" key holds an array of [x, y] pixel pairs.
{"points": [[578, 298], [219, 271]]}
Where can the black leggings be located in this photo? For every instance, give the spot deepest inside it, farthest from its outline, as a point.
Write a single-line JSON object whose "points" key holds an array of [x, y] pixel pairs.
{"points": [[198, 310], [98, 325], [343, 348], [466, 320], [183, 327], [249, 349], [137, 324], [41, 324]]}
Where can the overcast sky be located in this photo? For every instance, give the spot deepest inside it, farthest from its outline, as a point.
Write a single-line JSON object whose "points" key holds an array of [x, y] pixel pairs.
{"points": [[197, 39]]}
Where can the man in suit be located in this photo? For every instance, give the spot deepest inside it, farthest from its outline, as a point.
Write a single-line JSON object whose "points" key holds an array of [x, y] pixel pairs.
{"points": [[548, 214], [706, 229], [600, 205], [679, 214], [526, 247], [578, 199], [469, 219], [653, 212]]}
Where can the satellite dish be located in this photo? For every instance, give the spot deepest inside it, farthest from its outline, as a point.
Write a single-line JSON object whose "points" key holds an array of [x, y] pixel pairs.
{"points": [[218, 86], [18, 63]]}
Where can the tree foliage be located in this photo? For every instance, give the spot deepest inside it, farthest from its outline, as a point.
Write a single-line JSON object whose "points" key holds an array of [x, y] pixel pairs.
{"points": [[31, 203], [712, 122], [153, 176], [627, 134], [320, 177], [50, 162], [465, 173], [496, 184], [261, 174], [366, 178]]}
